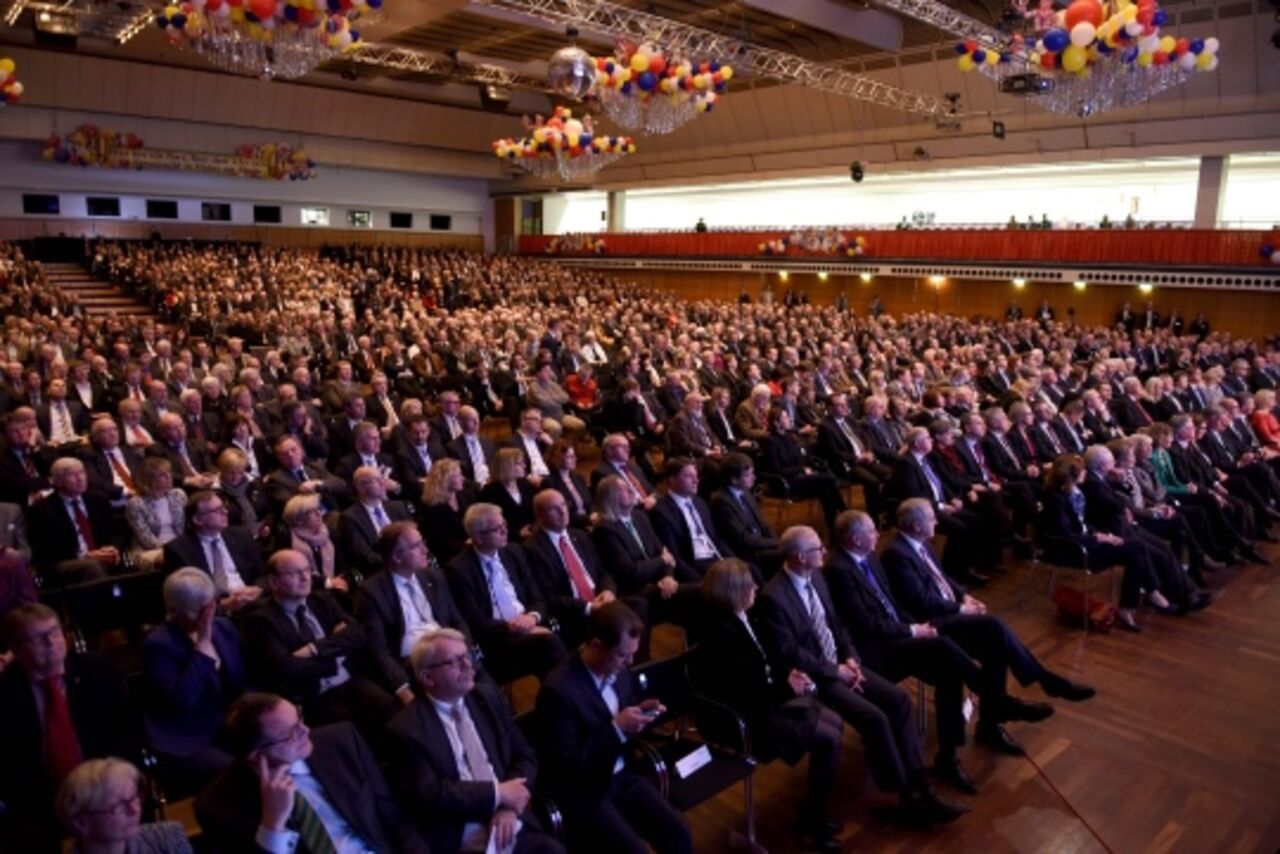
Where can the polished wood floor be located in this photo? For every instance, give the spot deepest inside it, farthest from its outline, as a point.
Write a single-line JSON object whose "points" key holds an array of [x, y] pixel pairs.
{"points": [[1179, 752]]}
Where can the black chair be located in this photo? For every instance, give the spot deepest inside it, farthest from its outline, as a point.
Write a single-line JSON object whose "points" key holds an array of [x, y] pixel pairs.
{"points": [[721, 733], [1062, 554], [545, 808], [127, 604]]}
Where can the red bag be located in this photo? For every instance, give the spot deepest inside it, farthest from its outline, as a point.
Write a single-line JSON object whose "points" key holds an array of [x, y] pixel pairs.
{"points": [[1072, 603]]}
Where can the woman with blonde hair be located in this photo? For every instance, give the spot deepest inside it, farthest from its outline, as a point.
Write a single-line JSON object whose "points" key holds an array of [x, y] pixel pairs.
{"points": [[306, 533], [511, 490], [246, 502], [100, 802], [155, 515], [445, 499]]}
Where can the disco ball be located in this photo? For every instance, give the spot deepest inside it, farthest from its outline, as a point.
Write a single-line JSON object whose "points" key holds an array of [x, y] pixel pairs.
{"points": [[571, 73]]}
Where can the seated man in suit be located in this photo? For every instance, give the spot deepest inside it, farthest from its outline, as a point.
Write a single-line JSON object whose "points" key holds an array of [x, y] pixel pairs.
{"points": [[684, 522], [689, 434], [806, 634], [294, 789], [72, 536], [737, 516], [228, 554], [193, 669], [189, 459], [55, 711], [899, 641], [299, 476], [474, 451], [400, 604], [112, 469], [417, 451], [587, 710], [24, 469], [615, 452], [494, 588], [367, 451], [360, 524], [460, 761], [849, 455], [305, 646], [534, 443], [63, 422]]}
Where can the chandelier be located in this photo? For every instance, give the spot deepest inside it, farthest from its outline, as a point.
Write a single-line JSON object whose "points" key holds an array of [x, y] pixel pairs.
{"points": [[562, 147], [264, 38], [644, 88], [1091, 57]]}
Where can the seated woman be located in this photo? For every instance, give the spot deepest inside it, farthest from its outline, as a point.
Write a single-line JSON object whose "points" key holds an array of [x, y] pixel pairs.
{"points": [[784, 717], [241, 436], [562, 459], [243, 496], [100, 802], [306, 532], [511, 491], [155, 516], [1063, 515], [784, 457], [1263, 419], [445, 499]]}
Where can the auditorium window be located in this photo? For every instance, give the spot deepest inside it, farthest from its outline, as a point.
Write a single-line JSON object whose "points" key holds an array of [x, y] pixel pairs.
{"points": [[162, 209], [215, 211], [39, 203], [315, 216], [441, 222], [266, 213], [360, 219], [102, 206], [401, 219]]}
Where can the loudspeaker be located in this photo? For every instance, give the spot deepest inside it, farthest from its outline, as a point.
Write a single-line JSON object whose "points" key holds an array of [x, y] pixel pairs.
{"points": [[997, 130], [855, 171]]}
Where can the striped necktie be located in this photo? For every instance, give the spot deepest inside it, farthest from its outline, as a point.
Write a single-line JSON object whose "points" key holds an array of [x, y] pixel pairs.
{"points": [[313, 836]]}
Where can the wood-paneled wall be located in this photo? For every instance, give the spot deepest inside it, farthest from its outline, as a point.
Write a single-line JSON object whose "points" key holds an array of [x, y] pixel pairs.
{"points": [[1243, 313], [28, 228]]}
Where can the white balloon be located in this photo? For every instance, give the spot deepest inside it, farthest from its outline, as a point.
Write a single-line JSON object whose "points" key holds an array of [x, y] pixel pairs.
{"points": [[1133, 28], [1187, 62], [1213, 63], [1149, 44], [1275, 257], [1083, 34], [1210, 45]]}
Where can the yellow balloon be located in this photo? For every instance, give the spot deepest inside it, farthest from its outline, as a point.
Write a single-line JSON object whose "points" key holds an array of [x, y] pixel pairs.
{"points": [[1204, 60], [726, 73], [7, 67], [1168, 43], [1145, 59], [965, 62], [639, 63], [993, 57], [1129, 14], [1074, 58]]}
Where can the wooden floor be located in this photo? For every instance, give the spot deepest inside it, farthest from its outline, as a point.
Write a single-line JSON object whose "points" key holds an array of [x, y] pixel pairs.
{"points": [[1179, 752]]}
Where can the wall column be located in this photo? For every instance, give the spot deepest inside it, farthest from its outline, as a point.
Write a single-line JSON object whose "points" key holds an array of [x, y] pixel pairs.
{"points": [[1209, 191], [617, 208]]}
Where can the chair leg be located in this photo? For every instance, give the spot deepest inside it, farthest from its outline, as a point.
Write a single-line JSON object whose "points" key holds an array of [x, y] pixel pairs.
{"points": [[738, 840], [922, 708]]}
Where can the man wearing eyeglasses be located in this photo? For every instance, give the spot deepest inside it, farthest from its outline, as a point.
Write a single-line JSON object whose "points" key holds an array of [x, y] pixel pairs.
{"points": [[460, 760], [293, 789], [227, 553], [55, 711], [305, 646]]}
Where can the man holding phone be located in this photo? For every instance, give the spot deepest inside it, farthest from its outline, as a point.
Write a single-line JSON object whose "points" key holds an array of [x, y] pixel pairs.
{"points": [[588, 711]]}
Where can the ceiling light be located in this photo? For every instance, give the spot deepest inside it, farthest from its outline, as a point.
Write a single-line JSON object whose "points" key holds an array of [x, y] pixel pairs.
{"points": [[866, 277], [1145, 287], [1019, 283], [1078, 284], [822, 276], [783, 275]]}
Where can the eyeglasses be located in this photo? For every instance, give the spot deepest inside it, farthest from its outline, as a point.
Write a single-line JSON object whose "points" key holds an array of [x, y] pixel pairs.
{"points": [[295, 732], [122, 806], [471, 657], [495, 529]]}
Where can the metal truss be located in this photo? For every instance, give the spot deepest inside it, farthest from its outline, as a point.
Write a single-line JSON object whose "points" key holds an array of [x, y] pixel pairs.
{"points": [[944, 18], [620, 22], [404, 59]]}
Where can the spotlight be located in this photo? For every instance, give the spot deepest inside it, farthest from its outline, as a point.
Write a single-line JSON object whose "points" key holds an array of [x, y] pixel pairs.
{"points": [[856, 172], [997, 130], [822, 275], [937, 281], [865, 277], [1019, 283], [783, 275], [1079, 284], [1145, 287]]}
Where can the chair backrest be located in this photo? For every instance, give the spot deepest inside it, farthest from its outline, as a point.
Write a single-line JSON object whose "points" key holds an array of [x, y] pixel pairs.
{"points": [[665, 680], [127, 603]]}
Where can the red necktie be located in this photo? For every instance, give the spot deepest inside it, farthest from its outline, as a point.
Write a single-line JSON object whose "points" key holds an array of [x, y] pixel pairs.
{"points": [[634, 481], [82, 522], [121, 471], [138, 435], [27, 465], [577, 574], [61, 748]]}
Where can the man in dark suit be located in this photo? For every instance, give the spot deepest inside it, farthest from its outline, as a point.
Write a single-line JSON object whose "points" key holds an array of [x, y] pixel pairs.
{"points": [[294, 789], [55, 711], [73, 537], [689, 434], [615, 452], [24, 471], [63, 422], [849, 455], [341, 427], [684, 522], [473, 451], [305, 646], [112, 469], [193, 669], [227, 553], [361, 523], [587, 709], [807, 635], [737, 516], [494, 589], [189, 458], [400, 604], [379, 406], [418, 450], [476, 796], [566, 567], [299, 476], [367, 451], [973, 450]]}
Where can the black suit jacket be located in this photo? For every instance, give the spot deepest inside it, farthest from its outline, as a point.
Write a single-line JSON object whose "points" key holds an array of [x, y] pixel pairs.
{"points": [[186, 550], [880, 440], [553, 578], [196, 453], [741, 523], [16, 485], [606, 468], [1104, 510], [75, 410], [53, 534], [471, 593], [673, 531], [909, 481], [913, 585], [358, 539], [791, 634], [870, 626], [230, 808], [102, 477], [556, 481], [272, 637], [425, 770], [635, 566], [412, 472], [382, 621], [1190, 465], [281, 485], [457, 448]]}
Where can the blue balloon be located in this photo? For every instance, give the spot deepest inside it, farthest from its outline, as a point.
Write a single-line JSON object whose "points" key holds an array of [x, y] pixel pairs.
{"points": [[1056, 40], [1129, 55], [375, 4], [161, 20], [291, 13], [1006, 57], [626, 88], [1267, 249], [1104, 48], [979, 56], [355, 36], [1197, 46], [609, 66], [647, 81], [961, 49], [1160, 18], [585, 140], [714, 66], [179, 21]]}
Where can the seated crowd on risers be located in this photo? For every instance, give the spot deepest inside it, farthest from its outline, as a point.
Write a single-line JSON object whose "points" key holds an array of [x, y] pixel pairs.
{"points": [[353, 567]]}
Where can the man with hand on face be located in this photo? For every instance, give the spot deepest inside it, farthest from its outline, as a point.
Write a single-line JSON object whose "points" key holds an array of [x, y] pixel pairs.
{"points": [[292, 789], [460, 760]]}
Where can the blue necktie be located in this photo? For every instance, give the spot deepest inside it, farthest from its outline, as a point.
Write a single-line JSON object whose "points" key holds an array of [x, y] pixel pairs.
{"points": [[884, 600], [938, 494]]}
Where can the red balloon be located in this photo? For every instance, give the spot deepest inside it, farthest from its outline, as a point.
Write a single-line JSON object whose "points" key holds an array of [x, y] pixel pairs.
{"points": [[262, 9], [1082, 11], [1048, 60], [970, 45], [657, 64], [1146, 16], [1181, 47], [1160, 58]]}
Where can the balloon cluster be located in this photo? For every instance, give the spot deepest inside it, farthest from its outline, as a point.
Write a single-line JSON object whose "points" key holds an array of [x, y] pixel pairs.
{"points": [[826, 241], [646, 72], [562, 135], [90, 145], [329, 20], [10, 88], [576, 243], [276, 162], [1271, 253], [973, 54]]}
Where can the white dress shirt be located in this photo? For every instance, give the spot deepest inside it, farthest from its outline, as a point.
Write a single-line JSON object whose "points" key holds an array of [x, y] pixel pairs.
{"points": [[537, 465], [703, 548], [344, 836], [418, 618], [475, 836]]}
